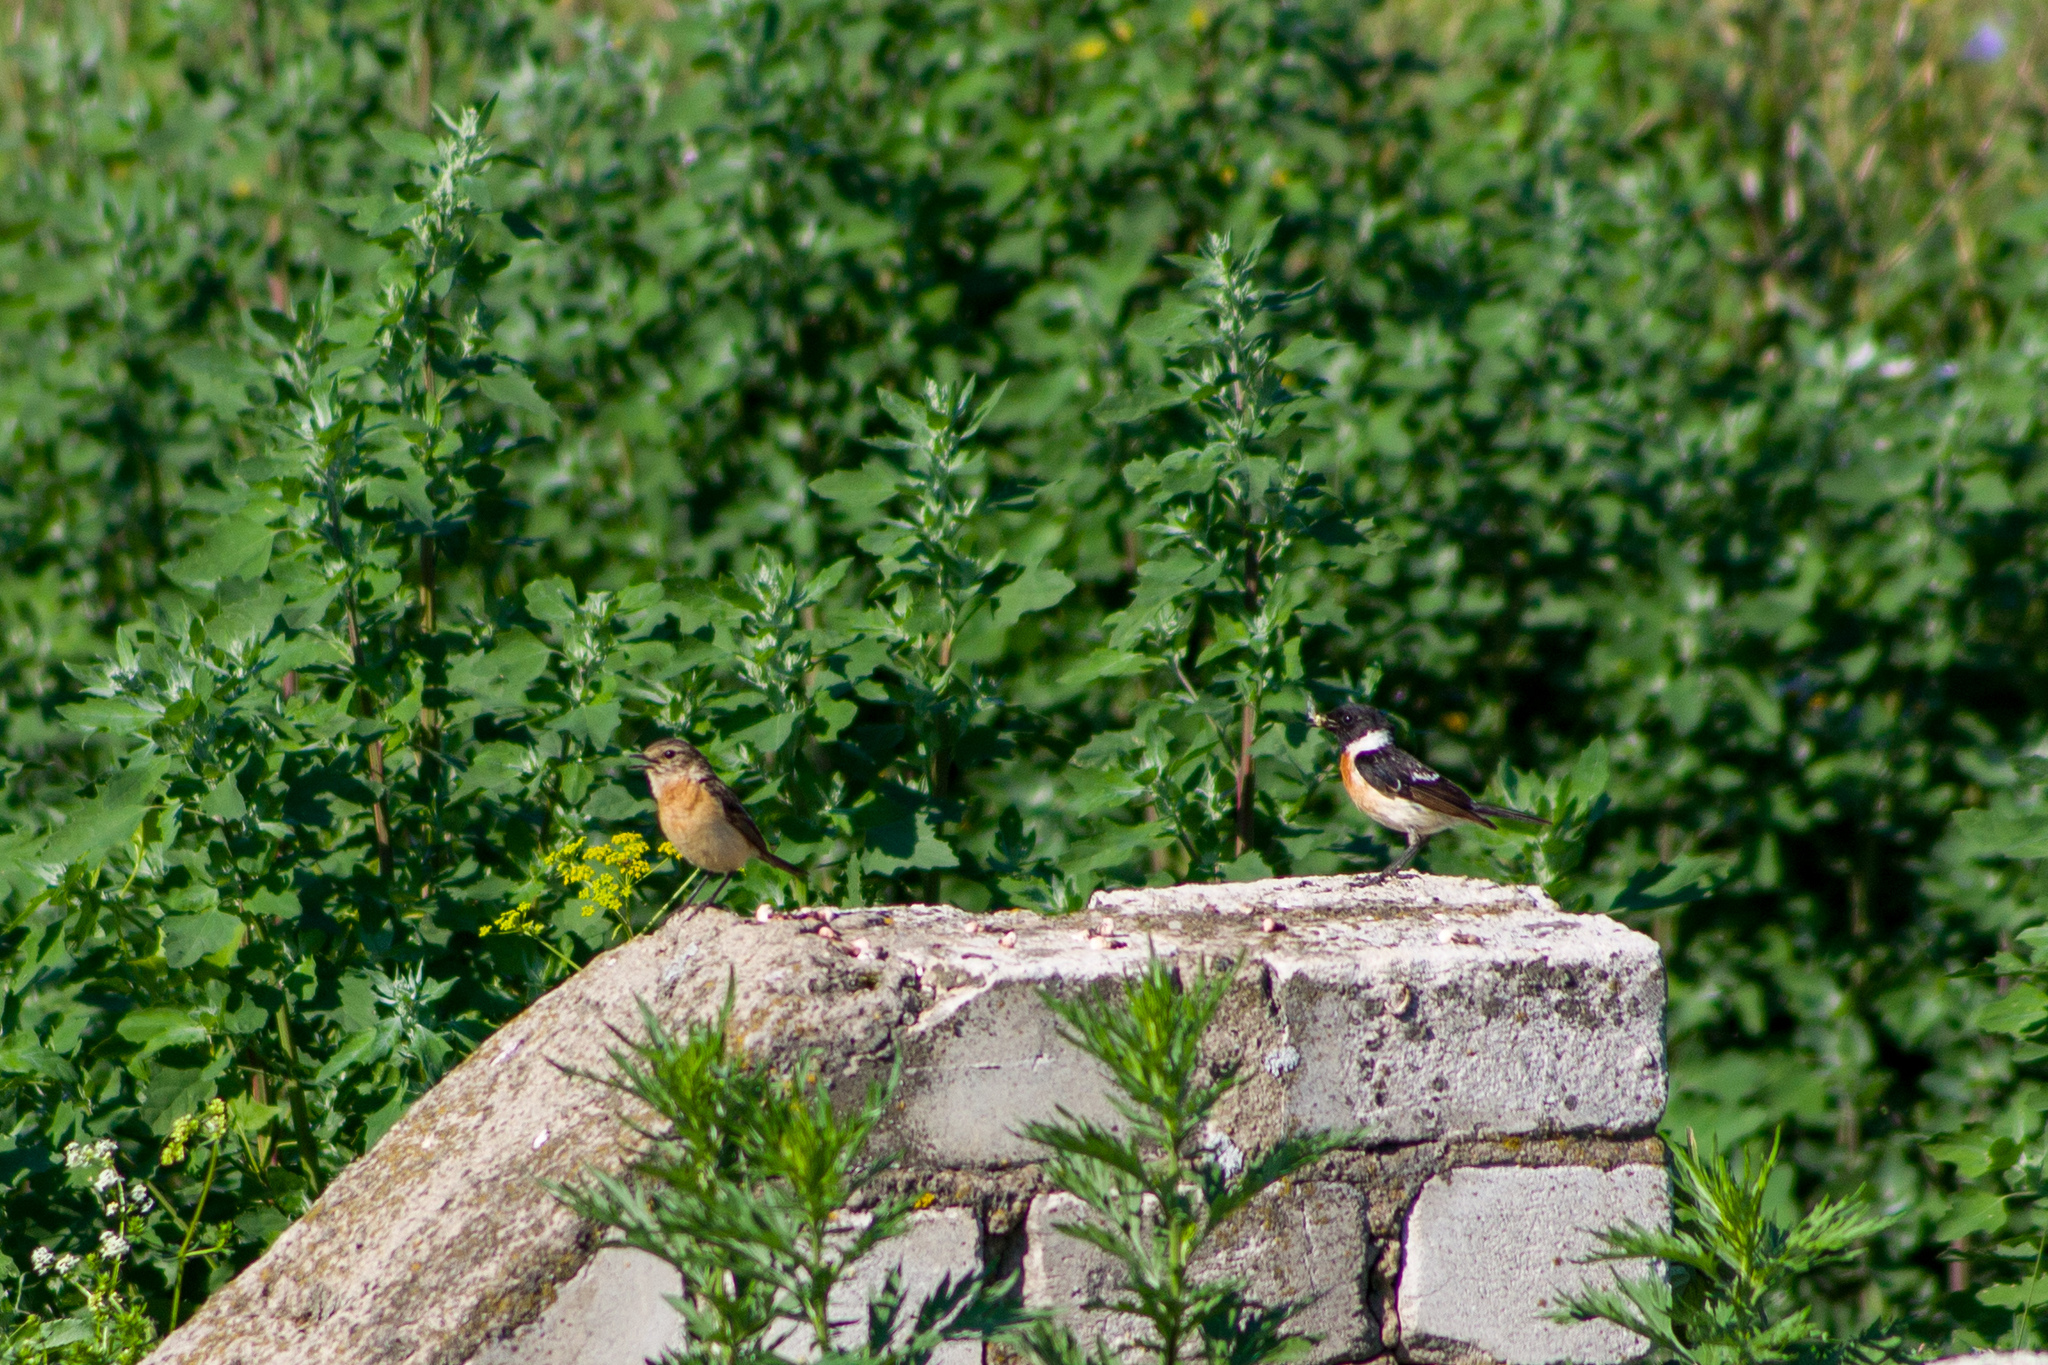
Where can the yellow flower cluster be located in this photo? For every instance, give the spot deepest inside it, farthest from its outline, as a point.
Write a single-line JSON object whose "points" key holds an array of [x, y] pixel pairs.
{"points": [[518, 920], [604, 875]]}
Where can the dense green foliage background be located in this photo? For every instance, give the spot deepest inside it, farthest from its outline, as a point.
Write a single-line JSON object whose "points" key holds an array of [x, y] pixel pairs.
{"points": [[1681, 402]]}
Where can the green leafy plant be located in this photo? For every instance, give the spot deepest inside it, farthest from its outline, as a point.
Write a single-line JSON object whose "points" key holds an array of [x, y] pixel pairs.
{"points": [[748, 1187], [1996, 1218], [1552, 855], [1243, 530], [1729, 1290], [108, 1324], [1688, 353], [945, 592], [1158, 1191]]}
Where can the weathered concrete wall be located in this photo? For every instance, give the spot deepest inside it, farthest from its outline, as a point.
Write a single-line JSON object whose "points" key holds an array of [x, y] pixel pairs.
{"points": [[1507, 1060]]}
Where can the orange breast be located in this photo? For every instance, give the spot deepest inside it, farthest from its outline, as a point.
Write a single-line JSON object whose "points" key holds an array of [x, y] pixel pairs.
{"points": [[1395, 812], [694, 821]]}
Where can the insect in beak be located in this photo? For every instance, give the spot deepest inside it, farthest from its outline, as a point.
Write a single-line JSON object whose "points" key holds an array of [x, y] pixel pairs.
{"points": [[1315, 721]]}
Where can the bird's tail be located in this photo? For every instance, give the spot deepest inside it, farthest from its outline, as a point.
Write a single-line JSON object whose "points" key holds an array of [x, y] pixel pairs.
{"points": [[791, 868], [1504, 812]]}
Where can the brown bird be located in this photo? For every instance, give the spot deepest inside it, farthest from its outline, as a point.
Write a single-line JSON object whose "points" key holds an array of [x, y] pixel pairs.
{"points": [[700, 816]]}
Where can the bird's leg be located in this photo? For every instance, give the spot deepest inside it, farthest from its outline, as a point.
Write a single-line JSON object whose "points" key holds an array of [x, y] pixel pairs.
{"points": [[711, 899], [681, 897], [1407, 857]]}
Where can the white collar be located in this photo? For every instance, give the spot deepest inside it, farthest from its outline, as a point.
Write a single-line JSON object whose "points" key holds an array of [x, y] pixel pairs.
{"points": [[1372, 741]]}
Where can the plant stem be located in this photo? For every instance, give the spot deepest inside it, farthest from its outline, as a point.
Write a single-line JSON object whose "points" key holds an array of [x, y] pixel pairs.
{"points": [[192, 1229], [380, 817], [1248, 728], [302, 1121], [429, 744], [2023, 1321], [1245, 781]]}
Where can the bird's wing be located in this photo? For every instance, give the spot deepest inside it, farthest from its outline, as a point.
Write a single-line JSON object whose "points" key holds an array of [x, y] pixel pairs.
{"points": [[736, 815], [1406, 775]]}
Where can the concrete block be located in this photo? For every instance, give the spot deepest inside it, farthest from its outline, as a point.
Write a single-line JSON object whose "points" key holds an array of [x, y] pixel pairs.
{"points": [[1424, 1010], [1521, 1024], [940, 1242], [1303, 1241], [614, 1311], [1419, 1009], [1488, 1250]]}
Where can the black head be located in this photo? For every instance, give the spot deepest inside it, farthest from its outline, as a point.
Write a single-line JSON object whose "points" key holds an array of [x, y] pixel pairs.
{"points": [[1347, 723]]}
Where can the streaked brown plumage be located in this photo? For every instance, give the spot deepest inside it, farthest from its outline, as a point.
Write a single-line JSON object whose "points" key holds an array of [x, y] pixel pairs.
{"points": [[701, 816]]}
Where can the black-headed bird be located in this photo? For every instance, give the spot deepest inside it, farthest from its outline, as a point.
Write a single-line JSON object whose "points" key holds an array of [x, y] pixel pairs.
{"points": [[1397, 789]]}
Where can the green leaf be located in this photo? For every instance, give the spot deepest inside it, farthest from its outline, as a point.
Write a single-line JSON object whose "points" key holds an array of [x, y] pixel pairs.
{"points": [[279, 906], [1973, 1211], [22, 1055], [403, 142], [2003, 833], [2017, 1012], [1169, 327], [1036, 589], [1977, 1156], [500, 677], [499, 768], [224, 801], [160, 1028], [172, 1091], [236, 548], [114, 715], [2030, 1292], [1251, 867], [103, 826], [515, 390], [911, 842], [594, 724], [768, 734], [873, 484], [1133, 404], [1107, 663], [66, 1332], [1189, 473], [522, 227], [188, 938], [907, 414], [1302, 352], [353, 1050], [220, 380]]}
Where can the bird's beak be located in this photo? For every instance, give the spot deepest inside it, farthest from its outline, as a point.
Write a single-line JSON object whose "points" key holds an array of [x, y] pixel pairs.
{"points": [[637, 762]]}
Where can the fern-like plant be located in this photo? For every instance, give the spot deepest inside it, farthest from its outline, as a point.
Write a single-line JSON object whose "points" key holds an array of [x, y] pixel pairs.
{"points": [[746, 1188], [1159, 1191], [1729, 1291]]}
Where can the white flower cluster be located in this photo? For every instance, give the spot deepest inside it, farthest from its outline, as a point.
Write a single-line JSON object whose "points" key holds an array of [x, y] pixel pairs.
{"points": [[113, 1244], [80, 1155], [48, 1262]]}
